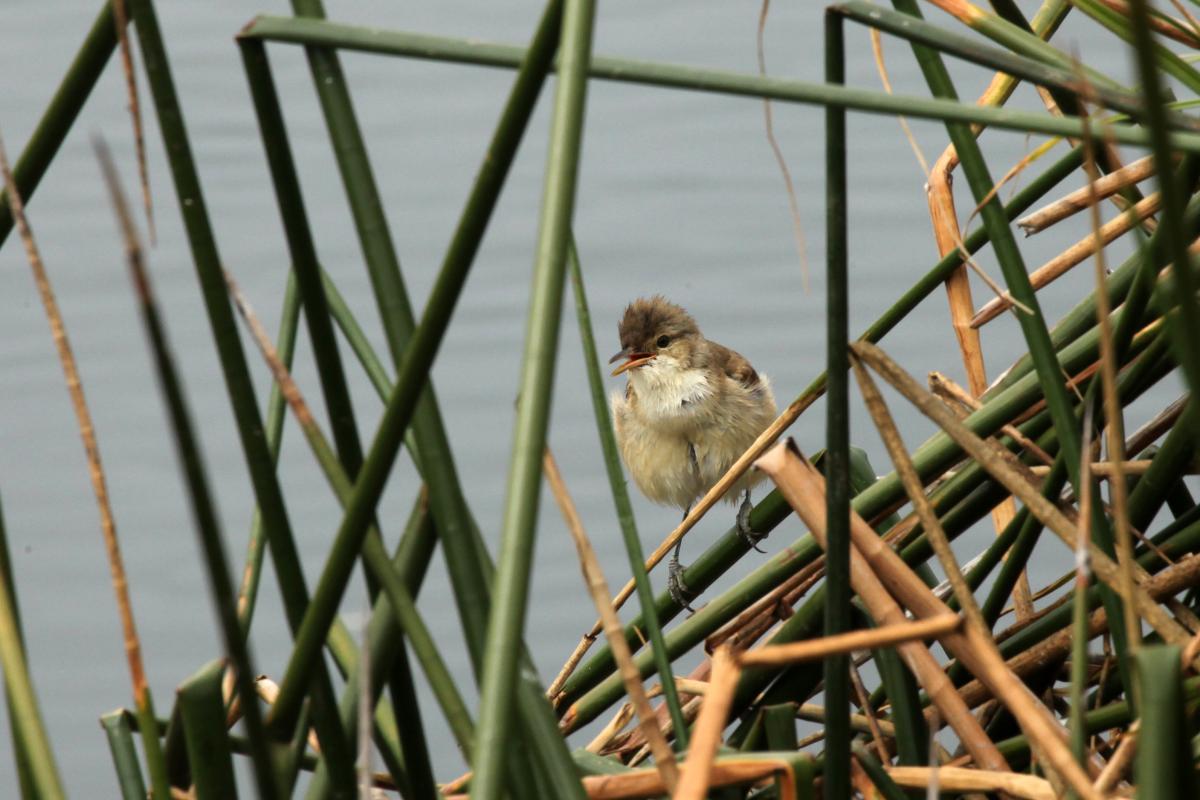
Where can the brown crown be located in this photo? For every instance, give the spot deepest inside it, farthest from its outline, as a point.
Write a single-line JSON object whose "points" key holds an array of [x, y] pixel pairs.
{"points": [[646, 319]]}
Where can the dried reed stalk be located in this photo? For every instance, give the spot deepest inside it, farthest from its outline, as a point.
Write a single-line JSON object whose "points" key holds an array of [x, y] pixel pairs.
{"points": [[1120, 760], [884, 636], [1089, 245], [121, 20], [1105, 186], [647, 783], [890, 434], [706, 736], [799, 481], [87, 432], [597, 587], [997, 461], [806, 494], [960, 779]]}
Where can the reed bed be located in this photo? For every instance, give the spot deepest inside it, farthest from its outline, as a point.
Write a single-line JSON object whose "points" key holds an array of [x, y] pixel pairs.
{"points": [[1088, 690]]}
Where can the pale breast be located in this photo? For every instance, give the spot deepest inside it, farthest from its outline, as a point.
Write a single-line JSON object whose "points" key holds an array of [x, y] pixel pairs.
{"points": [[658, 458], [676, 450]]}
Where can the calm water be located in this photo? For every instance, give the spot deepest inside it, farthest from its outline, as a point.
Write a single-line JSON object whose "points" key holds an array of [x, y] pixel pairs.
{"points": [[679, 194]]}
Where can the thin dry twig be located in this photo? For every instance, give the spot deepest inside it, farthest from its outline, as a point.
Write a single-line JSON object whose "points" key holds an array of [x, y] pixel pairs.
{"points": [[597, 587], [1120, 760], [1113, 413], [947, 389], [83, 417], [135, 113], [769, 121], [877, 408]]}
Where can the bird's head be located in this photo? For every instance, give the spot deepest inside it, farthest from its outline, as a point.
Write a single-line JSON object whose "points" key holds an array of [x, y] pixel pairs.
{"points": [[654, 328]]}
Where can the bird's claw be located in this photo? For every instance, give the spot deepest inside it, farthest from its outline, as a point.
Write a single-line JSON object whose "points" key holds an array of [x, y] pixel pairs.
{"points": [[678, 590], [744, 530]]}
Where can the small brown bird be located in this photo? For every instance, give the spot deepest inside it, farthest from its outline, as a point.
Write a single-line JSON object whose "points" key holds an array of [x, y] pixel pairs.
{"points": [[690, 409]]}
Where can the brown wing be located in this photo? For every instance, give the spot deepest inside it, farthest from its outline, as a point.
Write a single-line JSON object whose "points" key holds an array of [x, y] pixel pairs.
{"points": [[734, 365]]}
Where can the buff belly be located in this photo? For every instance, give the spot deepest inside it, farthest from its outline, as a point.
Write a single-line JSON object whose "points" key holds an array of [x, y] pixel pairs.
{"points": [[659, 460]]}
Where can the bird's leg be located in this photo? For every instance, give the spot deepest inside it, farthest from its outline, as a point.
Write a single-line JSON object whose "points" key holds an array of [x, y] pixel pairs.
{"points": [[744, 530], [678, 590]]}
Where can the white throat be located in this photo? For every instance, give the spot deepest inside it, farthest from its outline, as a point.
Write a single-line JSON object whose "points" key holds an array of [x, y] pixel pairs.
{"points": [[666, 390]]}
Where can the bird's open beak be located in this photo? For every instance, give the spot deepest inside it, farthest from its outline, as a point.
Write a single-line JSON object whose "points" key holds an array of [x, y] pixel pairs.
{"points": [[635, 360]]}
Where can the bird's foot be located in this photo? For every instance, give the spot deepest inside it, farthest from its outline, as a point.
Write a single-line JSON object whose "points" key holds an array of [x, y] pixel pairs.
{"points": [[678, 590], [744, 530]]}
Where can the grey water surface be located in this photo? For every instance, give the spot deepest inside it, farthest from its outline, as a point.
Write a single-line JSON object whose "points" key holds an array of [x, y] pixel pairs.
{"points": [[679, 194]]}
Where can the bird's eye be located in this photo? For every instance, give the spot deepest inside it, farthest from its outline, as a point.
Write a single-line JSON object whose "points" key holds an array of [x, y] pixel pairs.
{"points": [[663, 341]]}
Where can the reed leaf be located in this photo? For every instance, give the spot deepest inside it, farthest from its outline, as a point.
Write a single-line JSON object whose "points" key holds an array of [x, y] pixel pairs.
{"points": [[207, 742], [124, 754]]}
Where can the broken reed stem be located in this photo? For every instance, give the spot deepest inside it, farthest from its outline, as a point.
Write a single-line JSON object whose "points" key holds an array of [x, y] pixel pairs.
{"points": [[877, 408], [706, 736], [1058, 266], [108, 526], [997, 461], [597, 587], [647, 783], [121, 18], [947, 389], [804, 488], [1120, 760], [1105, 469], [961, 779], [585, 643], [268, 692], [1113, 413], [769, 608], [806, 495], [883, 636], [1101, 188]]}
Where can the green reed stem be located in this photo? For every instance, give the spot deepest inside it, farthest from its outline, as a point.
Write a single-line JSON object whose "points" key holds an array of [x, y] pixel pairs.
{"points": [[207, 740], [329, 34], [511, 589], [837, 422], [233, 364], [25, 716], [56, 121], [616, 481], [124, 755]]}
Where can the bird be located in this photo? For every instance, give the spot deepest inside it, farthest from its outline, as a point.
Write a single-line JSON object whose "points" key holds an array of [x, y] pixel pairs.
{"points": [[690, 408]]}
